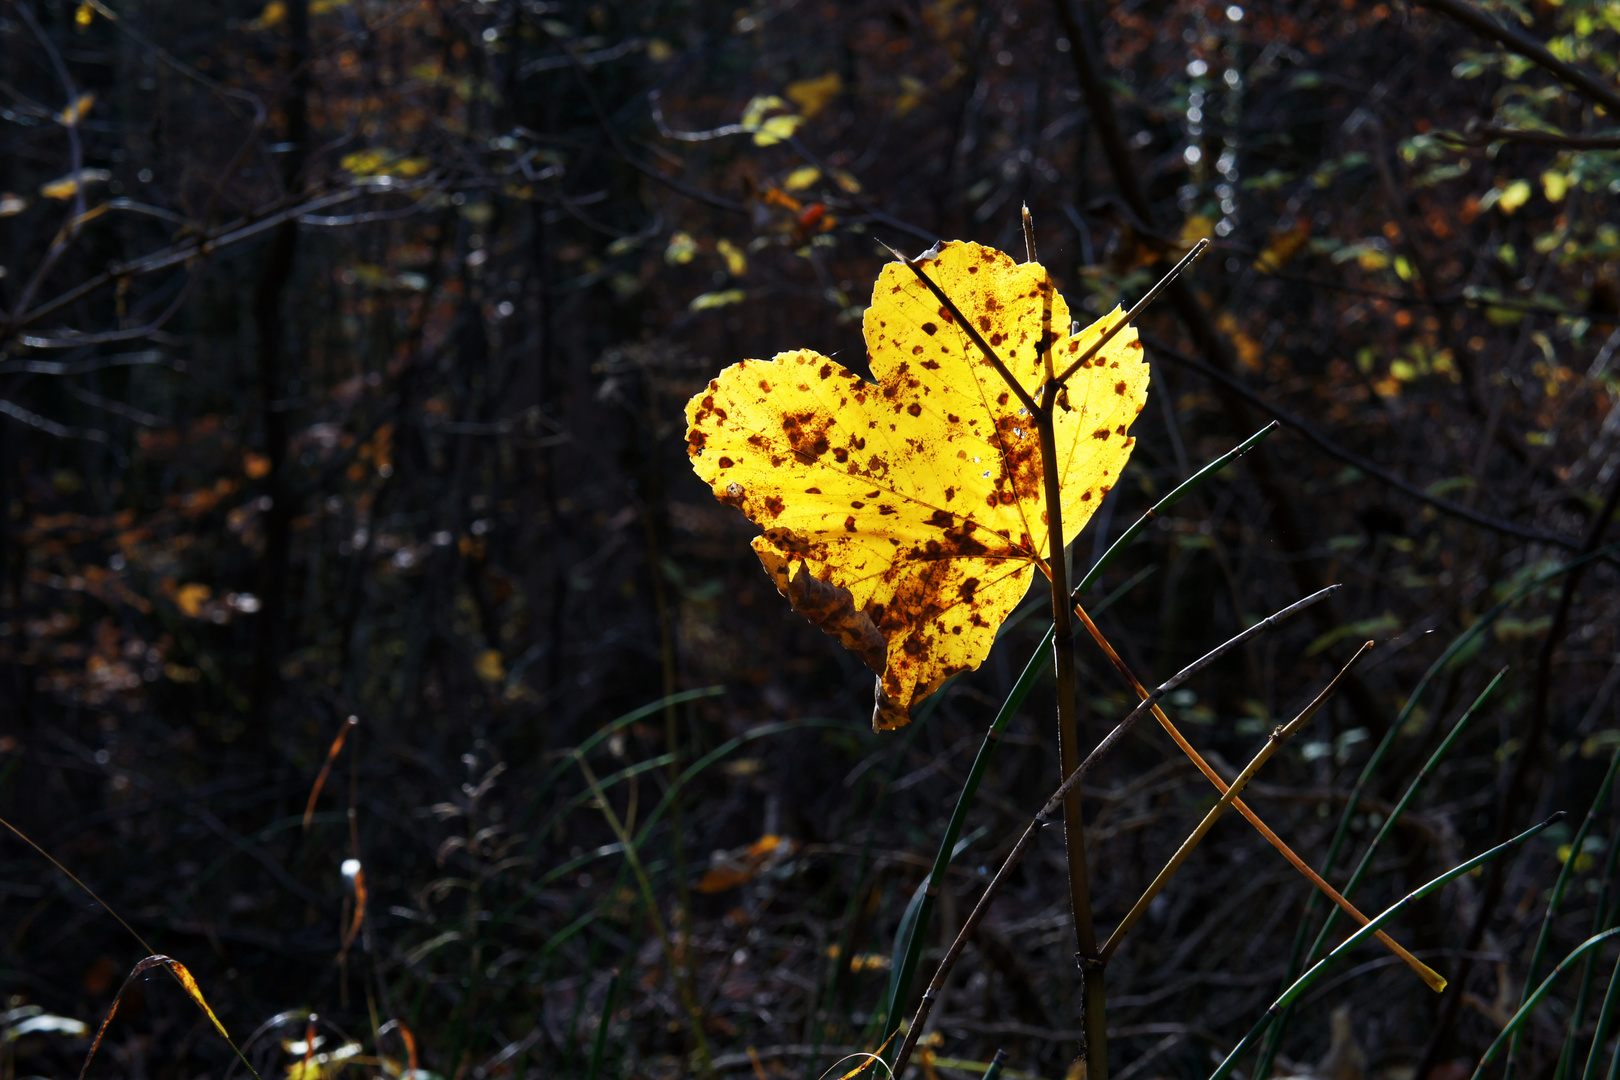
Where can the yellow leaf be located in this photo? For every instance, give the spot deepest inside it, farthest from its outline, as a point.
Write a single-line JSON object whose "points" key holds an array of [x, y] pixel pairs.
{"points": [[710, 300], [274, 14], [907, 517], [1555, 185], [801, 178], [1282, 247], [681, 249], [660, 51], [912, 90], [769, 132], [190, 599], [489, 666], [75, 112], [736, 261], [1514, 196], [82, 15], [64, 187], [812, 95], [1194, 229]]}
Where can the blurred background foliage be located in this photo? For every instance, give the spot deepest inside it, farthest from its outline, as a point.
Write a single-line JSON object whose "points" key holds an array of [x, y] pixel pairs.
{"points": [[342, 364]]}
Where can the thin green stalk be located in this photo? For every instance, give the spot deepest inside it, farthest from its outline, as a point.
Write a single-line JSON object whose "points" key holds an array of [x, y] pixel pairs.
{"points": [[1341, 833], [905, 970], [1605, 915], [1534, 999], [840, 963], [1278, 736], [1274, 1043], [1556, 900], [1605, 1016], [602, 1027], [1304, 982], [677, 969]]}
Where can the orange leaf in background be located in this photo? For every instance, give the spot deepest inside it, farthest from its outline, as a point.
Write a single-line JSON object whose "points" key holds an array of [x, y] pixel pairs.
{"points": [[906, 517], [190, 599], [734, 868]]}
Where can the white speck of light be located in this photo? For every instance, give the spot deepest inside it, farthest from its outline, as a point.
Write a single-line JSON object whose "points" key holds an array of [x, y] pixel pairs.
{"points": [[987, 474], [1234, 13], [1197, 68], [351, 867], [1192, 155]]}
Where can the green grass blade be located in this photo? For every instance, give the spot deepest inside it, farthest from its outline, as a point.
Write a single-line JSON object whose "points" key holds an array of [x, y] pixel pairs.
{"points": [[1605, 1018], [1304, 982], [1556, 900], [900, 983], [1297, 956], [1181, 491], [602, 1028], [1534, 999]]}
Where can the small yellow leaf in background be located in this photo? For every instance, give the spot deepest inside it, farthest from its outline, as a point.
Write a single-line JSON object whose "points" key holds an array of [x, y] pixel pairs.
{"points": [[846, 181], [64, 187], [1194, 229], [1514, 196], [190, 599], [769, 130], [710, 300], [681, 249], [660, 51], [906, 517], [801, 178], [1282, 247], [489, 666], [729, 869], [1247, 349], [1555, 185], [256, 465], [82, 15], [274, 14], [912, 90], [75, 112], [812, 95], [736, 261]]}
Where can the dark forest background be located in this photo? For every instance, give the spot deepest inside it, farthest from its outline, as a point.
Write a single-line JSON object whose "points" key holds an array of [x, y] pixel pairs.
{"points": [[344, 346]]}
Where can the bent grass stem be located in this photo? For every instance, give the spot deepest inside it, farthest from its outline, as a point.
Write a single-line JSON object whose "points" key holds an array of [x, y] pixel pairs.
{"points": [[1021, 847], [1278, 736]]}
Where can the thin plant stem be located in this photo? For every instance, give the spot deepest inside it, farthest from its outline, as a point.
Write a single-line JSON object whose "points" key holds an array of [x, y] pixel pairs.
{"points": [[1273, 742], [1298, 957], [916, 933], [1008, 865], [600, 1046], [1423, 971], [1305, 981], [1605, 1017], [671, 957], [1534, 1000], [1556, 901], [1136, 309]]}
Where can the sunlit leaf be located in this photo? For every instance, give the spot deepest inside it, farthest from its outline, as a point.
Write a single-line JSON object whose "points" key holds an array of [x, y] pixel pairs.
{"points": [[681, 249], [710, 300], [77, 110], [191, 597], [801, 178], [736, 261], [769, 130], [64, 187], [812, 95], [906, 517]]}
